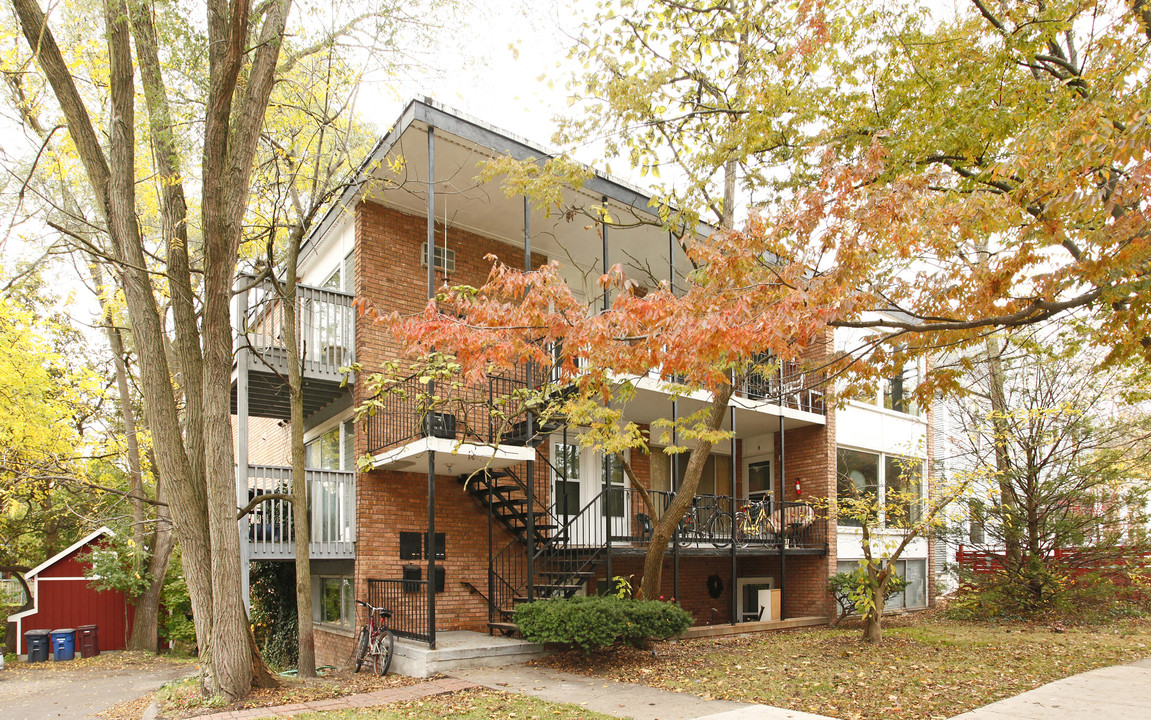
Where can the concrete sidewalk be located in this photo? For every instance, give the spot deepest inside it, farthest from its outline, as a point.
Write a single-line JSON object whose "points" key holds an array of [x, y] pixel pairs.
{"points": [[624, 700], [1122, 692]]}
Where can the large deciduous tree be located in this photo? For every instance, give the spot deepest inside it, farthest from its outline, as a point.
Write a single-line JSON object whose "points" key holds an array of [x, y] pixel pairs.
{"points": [[242, 48]]}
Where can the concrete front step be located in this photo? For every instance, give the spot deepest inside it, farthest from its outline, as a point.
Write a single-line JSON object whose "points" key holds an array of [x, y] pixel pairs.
{"points": [[460, 649]]}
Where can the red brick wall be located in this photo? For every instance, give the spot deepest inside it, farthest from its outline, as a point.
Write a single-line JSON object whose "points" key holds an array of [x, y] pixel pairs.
{"points": [[389, 273], [333, 648]]}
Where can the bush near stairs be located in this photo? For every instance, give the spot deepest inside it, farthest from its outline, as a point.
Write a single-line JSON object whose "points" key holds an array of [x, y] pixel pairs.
{"points": [[592, 623]]}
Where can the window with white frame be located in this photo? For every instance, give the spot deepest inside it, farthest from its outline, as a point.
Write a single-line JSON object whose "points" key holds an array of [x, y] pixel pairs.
{"points": [[914, 573], [333, 450], [445, 258], [333, 601], [892, 483]]}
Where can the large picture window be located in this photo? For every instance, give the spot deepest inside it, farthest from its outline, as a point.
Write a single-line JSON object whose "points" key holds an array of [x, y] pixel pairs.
{"points": [[891, 484]]}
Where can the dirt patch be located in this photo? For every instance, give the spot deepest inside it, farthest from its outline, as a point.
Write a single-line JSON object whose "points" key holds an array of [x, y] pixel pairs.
{"points": [[183, 700]]}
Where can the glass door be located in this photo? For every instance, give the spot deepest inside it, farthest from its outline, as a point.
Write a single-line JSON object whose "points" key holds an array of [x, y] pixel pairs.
{"points": [[759, 484]]}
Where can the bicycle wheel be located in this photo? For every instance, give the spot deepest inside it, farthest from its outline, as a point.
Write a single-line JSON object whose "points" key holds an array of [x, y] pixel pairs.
{"points": [[743, 528], [382, 650], [361, 648], [719, 530]]}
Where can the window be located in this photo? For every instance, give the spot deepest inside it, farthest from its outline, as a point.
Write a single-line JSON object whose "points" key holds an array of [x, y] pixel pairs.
{"points": [[333, 601], [445, 257], [613, 480], [334, 450], [902, 490], [893, 483], [857, 475], [567, 477], [323, 453], [759, 481], [715, 480], [899, 391], [914, 571]]}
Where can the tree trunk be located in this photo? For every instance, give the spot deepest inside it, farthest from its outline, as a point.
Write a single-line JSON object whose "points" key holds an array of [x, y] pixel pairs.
{"points": [[872, 628], [306, 665], [664, 529]]}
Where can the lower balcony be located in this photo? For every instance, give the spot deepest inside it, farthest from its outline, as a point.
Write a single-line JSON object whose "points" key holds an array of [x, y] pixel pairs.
{"points": [[331, 501], [621, 519]]}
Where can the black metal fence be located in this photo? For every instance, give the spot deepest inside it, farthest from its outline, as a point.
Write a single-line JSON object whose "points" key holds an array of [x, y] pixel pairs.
{"points": [[408, 602]]}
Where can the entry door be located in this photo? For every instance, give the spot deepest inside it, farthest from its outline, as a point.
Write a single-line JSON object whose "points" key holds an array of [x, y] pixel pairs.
{"points": [[759, 484], [588, 493]]}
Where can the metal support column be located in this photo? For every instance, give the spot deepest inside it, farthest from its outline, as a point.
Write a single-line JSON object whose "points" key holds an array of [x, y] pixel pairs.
{"points": [[530, 525], [607, 289], [734, 494], [782, 499], [674, 489], [431, 540]]}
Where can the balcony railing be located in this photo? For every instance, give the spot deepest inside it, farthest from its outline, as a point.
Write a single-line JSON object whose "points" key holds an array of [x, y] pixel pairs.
{"points": [[325, 323], [408, 602], [620, 516], [486, 412], [788, 385], [331, 500]]}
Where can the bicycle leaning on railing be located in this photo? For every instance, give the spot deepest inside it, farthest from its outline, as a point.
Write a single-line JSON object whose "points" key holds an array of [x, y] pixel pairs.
{"points": [[753, 522], [375, 641]]}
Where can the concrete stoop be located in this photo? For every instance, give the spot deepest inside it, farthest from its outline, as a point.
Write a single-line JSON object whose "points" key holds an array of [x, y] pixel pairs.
{"points": [[461, 649]]}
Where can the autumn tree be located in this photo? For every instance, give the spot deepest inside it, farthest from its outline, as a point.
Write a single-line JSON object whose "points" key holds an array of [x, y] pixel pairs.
{"points": [[701, 338], [1065, 462], [48, 400], [206, 83]]}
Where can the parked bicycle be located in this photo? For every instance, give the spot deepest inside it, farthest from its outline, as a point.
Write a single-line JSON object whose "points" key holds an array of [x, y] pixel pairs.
{"points": [[753, 522], [705, 524], [375, 641]]}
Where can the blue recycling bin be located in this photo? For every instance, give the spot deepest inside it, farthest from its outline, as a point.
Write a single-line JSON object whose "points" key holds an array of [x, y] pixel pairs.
{"points": [[64, 644], [38, 644]]}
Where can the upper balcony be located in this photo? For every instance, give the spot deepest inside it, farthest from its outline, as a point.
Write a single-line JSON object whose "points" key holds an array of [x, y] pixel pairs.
{"points": [[326, 339], [786, 393], [475, 425]]}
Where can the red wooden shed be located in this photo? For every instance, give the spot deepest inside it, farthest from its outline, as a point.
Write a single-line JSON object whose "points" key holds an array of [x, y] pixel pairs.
{"points": [[64, 598]]}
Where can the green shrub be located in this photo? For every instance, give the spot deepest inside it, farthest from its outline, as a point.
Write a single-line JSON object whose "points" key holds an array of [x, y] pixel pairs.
{"points": [[591, 623], [1050, 593]]}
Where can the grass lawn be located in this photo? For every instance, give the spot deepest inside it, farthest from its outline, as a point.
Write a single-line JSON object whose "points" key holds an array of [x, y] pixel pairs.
{"points": [[927, 667], [466, 705]]}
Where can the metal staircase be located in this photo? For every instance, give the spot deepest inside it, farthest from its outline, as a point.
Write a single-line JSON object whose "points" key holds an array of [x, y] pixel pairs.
{"points": [[563, 559]]}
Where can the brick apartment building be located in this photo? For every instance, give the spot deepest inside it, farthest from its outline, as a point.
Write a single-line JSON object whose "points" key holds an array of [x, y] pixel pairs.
{"points": [[546, 516]]}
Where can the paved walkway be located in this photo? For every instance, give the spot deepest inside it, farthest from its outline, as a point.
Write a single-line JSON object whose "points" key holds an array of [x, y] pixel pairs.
{"points": [[1122, 692], [624, 700], [362, 700], [77, 690]]}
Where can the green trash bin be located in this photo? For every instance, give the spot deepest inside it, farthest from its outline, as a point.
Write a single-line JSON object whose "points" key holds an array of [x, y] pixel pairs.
{"points": [[38, 644], [64, 644]]}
